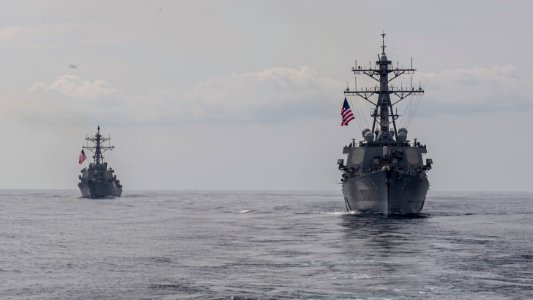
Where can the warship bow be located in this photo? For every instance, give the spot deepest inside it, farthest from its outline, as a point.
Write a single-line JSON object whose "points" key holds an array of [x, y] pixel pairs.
{"points": [[97, 180], [384, 172]]}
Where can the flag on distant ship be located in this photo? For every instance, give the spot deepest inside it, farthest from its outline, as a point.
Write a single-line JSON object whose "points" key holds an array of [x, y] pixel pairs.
{"points": [[346, 113], [82, 157]]}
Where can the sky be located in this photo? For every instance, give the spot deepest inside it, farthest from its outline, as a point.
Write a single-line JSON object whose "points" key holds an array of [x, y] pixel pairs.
{"points": [[246, 95]]}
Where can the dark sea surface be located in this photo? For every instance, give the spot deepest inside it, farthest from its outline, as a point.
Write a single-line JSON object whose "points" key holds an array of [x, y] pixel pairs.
{"points": [[262, 245]]}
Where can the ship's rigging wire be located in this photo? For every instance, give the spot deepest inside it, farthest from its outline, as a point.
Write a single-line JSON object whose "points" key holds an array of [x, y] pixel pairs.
{"points": [[358, 110], [417, 101], [409, 106], [405, 114], [355, 110], [410, 110]]}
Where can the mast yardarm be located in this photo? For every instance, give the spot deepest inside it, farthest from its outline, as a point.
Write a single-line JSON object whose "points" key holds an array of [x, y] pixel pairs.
{"points": [[383, 114]]}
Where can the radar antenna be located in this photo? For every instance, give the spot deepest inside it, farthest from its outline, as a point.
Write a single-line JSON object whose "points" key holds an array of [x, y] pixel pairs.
{"points": [[383, 43]]}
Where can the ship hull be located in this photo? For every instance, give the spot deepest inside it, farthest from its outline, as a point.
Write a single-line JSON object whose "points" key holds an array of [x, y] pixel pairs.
{"points": [[96, 190], [385, 192]]}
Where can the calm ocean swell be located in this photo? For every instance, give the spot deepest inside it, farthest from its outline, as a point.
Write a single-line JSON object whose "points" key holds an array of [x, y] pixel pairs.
{"points": [[262, 245]]}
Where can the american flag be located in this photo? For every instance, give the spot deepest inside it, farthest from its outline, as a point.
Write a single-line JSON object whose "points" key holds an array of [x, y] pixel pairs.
{"points": [[82, 157], [346, 113]]}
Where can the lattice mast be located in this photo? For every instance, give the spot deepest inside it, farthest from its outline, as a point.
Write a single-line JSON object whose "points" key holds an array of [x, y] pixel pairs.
{"points": [[383, 113], [98, 149]]}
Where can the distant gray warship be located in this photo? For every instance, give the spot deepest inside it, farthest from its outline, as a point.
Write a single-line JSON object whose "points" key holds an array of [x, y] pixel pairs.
{"points": [[97, 181], [384, 173]]}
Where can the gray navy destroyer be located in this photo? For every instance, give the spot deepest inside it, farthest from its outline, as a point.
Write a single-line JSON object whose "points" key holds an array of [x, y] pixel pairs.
{"points": [[384, 172], [98, 181]]}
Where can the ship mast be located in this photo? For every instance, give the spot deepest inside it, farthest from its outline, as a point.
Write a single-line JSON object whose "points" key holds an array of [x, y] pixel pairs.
{"points": [[383, 112], [97, 147]]}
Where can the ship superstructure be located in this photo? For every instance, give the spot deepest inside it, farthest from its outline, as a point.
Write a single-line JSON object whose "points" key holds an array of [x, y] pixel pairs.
{"points": [[384, 172], [97, 180]]}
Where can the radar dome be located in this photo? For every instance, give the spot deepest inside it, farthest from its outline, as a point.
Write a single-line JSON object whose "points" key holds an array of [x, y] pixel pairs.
{"points": [[365, 131], [369, 136], [403, 130], [402, 136]]}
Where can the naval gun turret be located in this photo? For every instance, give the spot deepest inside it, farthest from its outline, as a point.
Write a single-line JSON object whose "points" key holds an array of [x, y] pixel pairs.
{"points": [[97, 180], [384, 172]]}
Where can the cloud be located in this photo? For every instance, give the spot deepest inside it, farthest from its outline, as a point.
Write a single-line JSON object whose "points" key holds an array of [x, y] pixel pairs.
{"points": [[9, 32], [271, 93], [74, 86], [68, 99], [477, 89]]}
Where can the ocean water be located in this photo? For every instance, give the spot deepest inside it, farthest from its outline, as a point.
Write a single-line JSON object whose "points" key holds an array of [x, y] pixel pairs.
{"points": [[262, 245]]}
